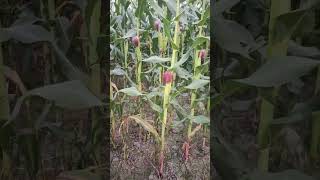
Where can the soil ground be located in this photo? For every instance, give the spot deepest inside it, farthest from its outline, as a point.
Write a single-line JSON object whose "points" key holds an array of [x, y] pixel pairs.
{"points": [[140, 163]]}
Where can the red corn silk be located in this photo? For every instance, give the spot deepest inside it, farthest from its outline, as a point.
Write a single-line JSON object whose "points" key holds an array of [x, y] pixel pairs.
{"points": [[157, 24], [135, 41], [167, 77], [202, 55]]}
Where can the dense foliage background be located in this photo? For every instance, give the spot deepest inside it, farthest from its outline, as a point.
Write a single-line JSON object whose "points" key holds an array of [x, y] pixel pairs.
{"points": [[266, 90], [55, 86], [52, 88]]}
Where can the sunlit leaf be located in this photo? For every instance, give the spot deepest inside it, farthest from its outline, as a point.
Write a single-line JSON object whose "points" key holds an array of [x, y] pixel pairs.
{"points": [[198, 83], [131, 91], [156, 59]]}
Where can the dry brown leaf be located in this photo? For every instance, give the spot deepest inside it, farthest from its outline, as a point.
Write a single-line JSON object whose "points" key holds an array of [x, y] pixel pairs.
{"points": [[195, 130], [146, 125]]}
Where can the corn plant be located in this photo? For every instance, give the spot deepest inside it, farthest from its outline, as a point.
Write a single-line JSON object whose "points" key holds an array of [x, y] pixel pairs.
{"points": [[44, 81], [274, 49], [168, 79], [258, 66], [198, 60], [160, 40]]}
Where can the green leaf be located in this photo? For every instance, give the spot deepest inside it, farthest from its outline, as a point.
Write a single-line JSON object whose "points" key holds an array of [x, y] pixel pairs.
{"points": [[280, 70], [71, 95], [179, 16], [199, 40], [205, 17], [156, 59], [183, 59], [129, 34], [131, 91], [118, 71], [26, 17], [295, 49], [291, 23], [150, 70], [155, 106], [233, 37], [172, 6], [166, 28], [141, 8], [300, 112], [200, 119], [91, 10], [197, 83], [153, 94], [180, 110], [67, 68], [26, 33], [183, 73], [156, 8]]}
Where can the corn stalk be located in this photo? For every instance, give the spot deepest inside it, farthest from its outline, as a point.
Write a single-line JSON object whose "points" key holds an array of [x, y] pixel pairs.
{"points": [[267, 109], [162, 43], [162, 52], [139, 66], [167, 91], [196, 76], [138, 71], [126, 47], [95, 71]]}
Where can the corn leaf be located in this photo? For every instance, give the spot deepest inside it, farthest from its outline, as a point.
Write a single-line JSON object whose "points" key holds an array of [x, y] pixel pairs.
{"points": [[147, 126], [280, 70], [156, 59], [71, 95], [131, 91], [200, 119], [197, 83]]}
